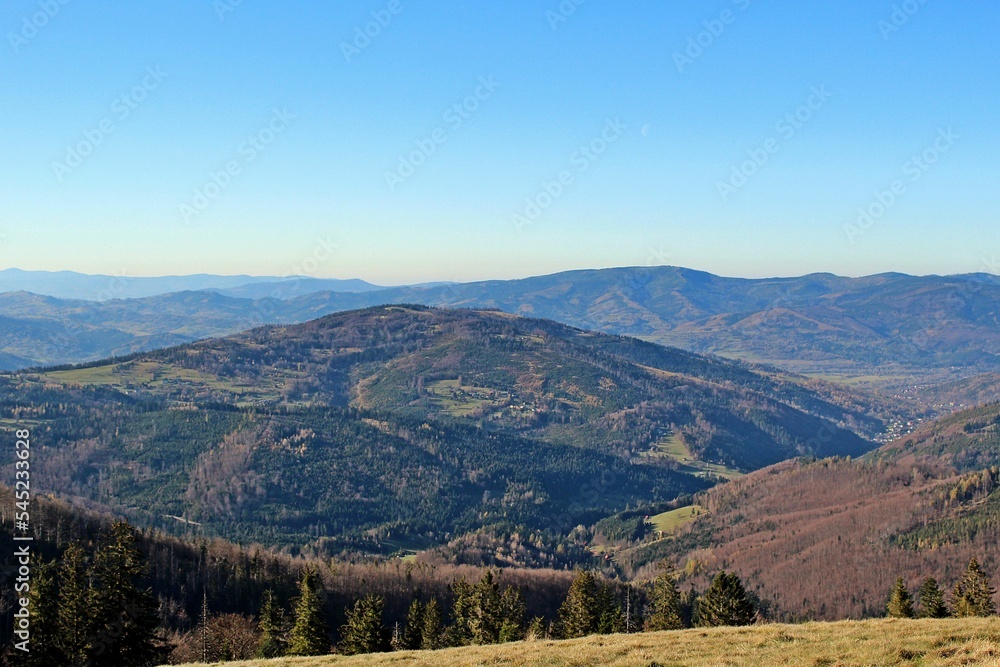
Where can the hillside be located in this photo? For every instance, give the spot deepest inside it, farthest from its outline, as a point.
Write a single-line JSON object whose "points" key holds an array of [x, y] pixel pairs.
{"points": [[883, 329], [825, 539], [400, 428], [929, 643]]}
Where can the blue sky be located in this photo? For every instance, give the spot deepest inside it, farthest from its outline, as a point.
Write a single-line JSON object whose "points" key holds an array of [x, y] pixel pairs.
{"points": [[736, 136]]}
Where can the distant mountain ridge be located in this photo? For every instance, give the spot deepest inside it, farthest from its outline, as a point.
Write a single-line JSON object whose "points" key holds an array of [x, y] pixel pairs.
{"points": [[73, 285], [887, 324]]}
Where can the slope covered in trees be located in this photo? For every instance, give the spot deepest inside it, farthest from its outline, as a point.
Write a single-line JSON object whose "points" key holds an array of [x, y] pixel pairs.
{"points": [[827, 539]]}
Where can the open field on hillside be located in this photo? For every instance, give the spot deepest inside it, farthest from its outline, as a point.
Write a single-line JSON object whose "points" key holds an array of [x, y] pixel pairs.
{"points": [[673, 447], [927, 643]]}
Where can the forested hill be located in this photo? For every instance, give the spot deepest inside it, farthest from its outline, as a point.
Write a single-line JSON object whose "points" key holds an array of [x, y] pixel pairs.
{"points": [[399, 428], [535, 377], [827, 538]]}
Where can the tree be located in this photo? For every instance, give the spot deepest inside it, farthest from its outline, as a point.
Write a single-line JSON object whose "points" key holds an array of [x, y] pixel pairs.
{"points": [[43, 607], [900, 601], [310, 633], [726, 603], [579, 614], [271, 643], [459, 633], [512, 610], [932, 600], [485, 616], [124, 612], [973, 595], [432, 626], [610, 615], [413, 631], [75, 620], [665, 604], [363, 631]]}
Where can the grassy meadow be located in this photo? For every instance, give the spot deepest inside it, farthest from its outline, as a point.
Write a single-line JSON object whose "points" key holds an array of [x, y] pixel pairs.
{"points": [[874, 643]]}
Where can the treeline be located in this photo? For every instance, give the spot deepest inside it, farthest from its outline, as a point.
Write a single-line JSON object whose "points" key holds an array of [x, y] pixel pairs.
{"points": [[972, 596], [480, 613]]}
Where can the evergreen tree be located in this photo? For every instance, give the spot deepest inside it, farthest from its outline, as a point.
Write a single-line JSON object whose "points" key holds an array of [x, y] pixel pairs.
{"points": [[363, 631], [485, 615], [432, 626], [75, 621], [413, 631], [665, 604], [579, 614], [900, 601], [726, 603], [125, 614], [932, 600], [43, 607], [459, 633], [513, 611], [610, 615], [310, 633], [537, 629], [973, 595], [272, 628]]}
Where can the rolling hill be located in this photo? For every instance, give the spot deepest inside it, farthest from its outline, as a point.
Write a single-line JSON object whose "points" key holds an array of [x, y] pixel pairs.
{"points": [[403, 426]]}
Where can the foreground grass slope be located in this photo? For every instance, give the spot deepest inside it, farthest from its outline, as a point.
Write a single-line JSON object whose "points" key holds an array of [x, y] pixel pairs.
{"points": [[928, 643]]}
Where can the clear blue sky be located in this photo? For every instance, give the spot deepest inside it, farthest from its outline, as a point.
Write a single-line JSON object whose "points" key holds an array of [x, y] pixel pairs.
{"points": [[330, 126]]}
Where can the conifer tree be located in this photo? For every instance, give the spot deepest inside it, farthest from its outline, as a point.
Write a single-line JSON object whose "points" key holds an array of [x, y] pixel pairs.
{"points": [[537, 629], [75, 620], [413, 631], [513, 610], [43, 607], [973, 595], [665, 604], [485, 614], [900, 601], [272, 642], [726, 603], [363, 631], [610, 615], [459, 633], [432, 626], [932, 600], [309, 634], [579, 614], [125, 613]]}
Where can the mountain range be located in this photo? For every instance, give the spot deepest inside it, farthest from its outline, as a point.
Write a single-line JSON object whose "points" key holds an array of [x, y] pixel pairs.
{"points": [[878, 329], [364, 428]]}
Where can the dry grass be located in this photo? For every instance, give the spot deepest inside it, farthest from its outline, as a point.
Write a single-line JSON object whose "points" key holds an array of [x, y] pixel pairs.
{"points": [[923, 643]]}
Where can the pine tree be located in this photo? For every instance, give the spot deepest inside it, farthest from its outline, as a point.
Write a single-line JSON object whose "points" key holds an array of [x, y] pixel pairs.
{"points": [[973, 595], [726, 603], [610, 615], [665, 603], [75, 620], [689, 607], [513, 610], [459, 633], [579, 614], [432, 626], [125, 614], [363, 631], [900, 601], [272, 628], [932, 600], [485, 616], [537, 629], [309, 634], [43, 607], [413, 631]]}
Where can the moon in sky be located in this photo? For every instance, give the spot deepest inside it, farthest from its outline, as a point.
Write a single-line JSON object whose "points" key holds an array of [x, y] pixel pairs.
{"points": [[645, 130]]}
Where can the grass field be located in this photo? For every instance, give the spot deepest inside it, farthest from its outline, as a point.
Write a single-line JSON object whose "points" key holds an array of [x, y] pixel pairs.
{"points": [[668, 522], [917, 643], [672, 447], [461, 400]]}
